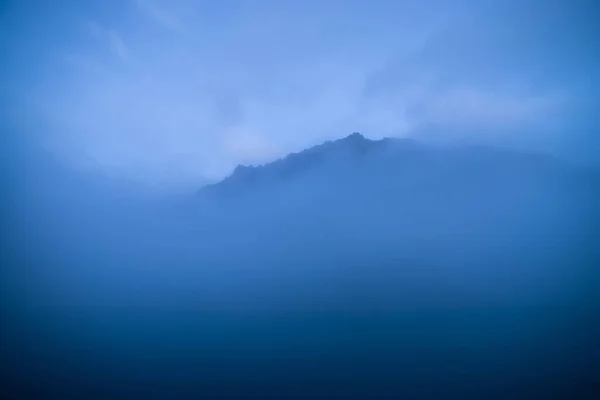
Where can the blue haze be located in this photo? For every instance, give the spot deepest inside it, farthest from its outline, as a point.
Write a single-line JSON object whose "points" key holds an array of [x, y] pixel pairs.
{"points": [[186, 213]]}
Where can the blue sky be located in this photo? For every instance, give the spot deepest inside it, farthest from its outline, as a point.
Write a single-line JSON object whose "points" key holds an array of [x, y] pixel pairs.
{"points": [[175, 92]]}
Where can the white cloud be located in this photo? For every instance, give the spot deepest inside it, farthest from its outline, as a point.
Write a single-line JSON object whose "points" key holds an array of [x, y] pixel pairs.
{"points": [[157, 11], [110, 37], [471, 107], [117, 45], [83, 63], [248, 147]]}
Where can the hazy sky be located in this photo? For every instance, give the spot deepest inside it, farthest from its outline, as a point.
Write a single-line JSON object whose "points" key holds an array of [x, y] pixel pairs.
{"points": [[173, 91]]}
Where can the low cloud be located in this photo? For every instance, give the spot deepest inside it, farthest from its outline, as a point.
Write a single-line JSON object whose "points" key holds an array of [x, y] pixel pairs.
{"points": [[471, 108], [248, 147]]}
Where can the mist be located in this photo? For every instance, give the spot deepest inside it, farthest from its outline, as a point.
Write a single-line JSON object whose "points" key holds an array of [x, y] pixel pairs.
{"points": [[187, 213], [354, 268]]}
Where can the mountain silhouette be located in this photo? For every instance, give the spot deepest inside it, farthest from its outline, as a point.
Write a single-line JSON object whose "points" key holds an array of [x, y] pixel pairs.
{"points": [[402, 171], [399, 197], [350, 148]]}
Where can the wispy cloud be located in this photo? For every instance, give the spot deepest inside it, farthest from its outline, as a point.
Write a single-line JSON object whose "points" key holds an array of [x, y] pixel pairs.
{"points": [[248, 147], [153, 95], [117, 45], [111, 37], [82, 62], [472, 107], [163, 16]]}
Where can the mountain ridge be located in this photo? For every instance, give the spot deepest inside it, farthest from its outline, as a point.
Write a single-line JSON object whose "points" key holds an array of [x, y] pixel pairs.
{"points": [[343, 156], [295, 163]]}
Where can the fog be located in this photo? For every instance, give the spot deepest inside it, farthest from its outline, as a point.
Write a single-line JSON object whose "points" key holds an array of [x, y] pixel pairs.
{"points": [[185, 215], [354, 268]]}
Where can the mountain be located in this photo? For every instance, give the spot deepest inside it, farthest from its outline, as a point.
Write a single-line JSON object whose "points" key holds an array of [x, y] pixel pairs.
{"points": [[352, 148], [400, 179], [382, 201], [400, 159]]}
